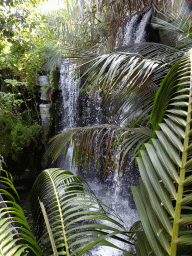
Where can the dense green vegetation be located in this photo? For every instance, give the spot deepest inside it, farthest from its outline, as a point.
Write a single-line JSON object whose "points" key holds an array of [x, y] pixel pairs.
{"points": [[24, 47], [19, 121], [33, 39], [153, 78]]}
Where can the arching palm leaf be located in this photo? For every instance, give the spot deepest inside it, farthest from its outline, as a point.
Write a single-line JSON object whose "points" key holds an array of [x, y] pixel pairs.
{"points": [[157, 51], [112, 141], [73, 213], [120, 72], [128, 78], [164, 197], [143, 64], [16, 237], [173, 22]]}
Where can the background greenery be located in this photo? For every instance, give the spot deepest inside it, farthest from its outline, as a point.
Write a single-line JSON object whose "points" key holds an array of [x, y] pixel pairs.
{"points": [[154, 78]]}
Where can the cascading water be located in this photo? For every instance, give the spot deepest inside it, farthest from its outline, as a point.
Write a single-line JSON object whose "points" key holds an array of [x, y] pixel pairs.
{"points": [[140, 32], [69, 93], [89, 110], [129, 35], [134, 31], [114, 191]]}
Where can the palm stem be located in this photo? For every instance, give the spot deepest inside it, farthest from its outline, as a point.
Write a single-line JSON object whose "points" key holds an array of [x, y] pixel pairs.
{"points": [[181, 180], [61, 217], [49, 230]]}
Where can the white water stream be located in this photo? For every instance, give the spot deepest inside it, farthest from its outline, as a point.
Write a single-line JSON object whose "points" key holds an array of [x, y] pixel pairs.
{"points": [[111, 191], [140, 32], [134, 31]]}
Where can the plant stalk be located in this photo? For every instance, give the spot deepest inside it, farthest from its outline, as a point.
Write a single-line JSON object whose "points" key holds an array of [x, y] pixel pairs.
{"points": [[177, 216], [49, 229]]}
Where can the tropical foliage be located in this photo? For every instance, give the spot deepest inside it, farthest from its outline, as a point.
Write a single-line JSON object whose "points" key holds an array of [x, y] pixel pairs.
{"points": [[127, 83], [84, 28], [164, 197], [73, 212], [21, 131], [157, 129], [68, 219], [20, 25], [22, 56]]}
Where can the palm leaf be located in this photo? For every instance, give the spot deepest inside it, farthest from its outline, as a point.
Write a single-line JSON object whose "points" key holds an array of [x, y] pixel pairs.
{"points": [[120, 72], [173, 22], [178, 25], [73, 213], [164, 197], [112, 141], [157, 51], [16, 237], [124, 80]]}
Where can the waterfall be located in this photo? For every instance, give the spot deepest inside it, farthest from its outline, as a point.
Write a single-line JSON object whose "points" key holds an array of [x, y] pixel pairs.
{"points": [[70, 93], [134, 30], [69, 96], [129, 35], [140, 32], [81, 110], [112, 191]]}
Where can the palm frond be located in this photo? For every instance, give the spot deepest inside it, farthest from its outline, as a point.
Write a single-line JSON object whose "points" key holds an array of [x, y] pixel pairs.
{"points": [[178, 25], [120, 73], [112, 142], [173, 22], [164, 197], [73, 213], [124, 79], [16, 236], [145, 248], [157, 51]]}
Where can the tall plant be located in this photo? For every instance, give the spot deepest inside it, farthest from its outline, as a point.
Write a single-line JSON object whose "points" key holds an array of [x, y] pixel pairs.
{"points": [[164, 197]]}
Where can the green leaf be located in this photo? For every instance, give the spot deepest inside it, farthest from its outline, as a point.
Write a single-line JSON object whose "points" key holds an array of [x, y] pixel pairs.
{"points": [[164, 198], [15, 234], [73, 213]]}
